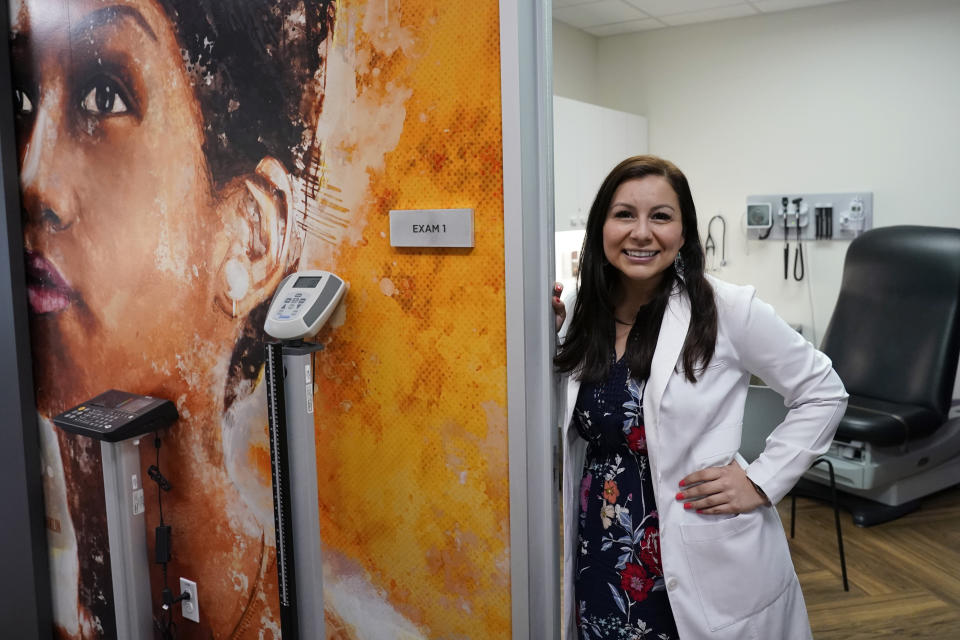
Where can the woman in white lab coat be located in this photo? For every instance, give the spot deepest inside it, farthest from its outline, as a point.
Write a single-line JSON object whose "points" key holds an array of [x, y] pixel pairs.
{"points": [[667, 530]]}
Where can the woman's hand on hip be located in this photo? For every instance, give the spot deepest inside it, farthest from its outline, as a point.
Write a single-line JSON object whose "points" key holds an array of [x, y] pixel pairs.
{"points": [[721, 490]]}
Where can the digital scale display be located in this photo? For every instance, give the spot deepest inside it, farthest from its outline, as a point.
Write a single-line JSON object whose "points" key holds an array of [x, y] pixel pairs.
{"points": [[307, 282], [134, 405]]}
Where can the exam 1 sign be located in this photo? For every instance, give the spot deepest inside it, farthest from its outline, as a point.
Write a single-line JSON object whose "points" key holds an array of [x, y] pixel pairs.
{"points": [[431, 228]]}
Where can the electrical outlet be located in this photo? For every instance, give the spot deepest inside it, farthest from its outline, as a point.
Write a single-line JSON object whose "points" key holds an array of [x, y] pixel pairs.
{"points": [[189, 609]]}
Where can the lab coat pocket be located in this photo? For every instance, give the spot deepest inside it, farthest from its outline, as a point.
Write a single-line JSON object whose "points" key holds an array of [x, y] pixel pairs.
{"points": [[739, 566], [717, 446]]}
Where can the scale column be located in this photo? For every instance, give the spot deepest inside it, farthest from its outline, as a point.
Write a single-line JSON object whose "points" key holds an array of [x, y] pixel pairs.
{"points": [[305, 500], [296, 501], [127, 534]]}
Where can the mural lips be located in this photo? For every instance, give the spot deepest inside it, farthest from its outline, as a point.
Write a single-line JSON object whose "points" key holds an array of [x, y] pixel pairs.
{"points": [[47, 290]]}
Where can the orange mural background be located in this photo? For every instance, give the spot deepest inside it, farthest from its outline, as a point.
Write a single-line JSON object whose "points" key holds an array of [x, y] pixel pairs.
{"points": [[411, 420], [177, 159]]}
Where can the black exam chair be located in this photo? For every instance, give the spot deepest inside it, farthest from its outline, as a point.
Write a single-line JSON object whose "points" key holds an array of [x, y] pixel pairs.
{"points": [[894, 338]]}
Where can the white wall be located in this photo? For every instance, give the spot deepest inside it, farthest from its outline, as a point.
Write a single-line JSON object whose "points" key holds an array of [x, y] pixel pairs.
{"points": [[860, 95], [574, 63]]}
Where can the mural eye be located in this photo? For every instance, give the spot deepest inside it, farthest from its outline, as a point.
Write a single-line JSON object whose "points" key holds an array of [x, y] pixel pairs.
{"points": [[22, 102], [104, 97]]}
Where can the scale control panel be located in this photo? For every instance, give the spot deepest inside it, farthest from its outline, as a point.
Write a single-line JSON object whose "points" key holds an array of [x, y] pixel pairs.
{"points": [[292, 306], [303, 303], [117, 415]]}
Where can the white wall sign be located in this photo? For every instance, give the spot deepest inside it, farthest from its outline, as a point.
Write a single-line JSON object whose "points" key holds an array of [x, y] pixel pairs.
{"points": [[431, 228]]}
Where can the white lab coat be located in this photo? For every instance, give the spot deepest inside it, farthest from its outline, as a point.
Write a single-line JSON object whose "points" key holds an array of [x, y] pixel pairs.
{"points": [[728, 578]]}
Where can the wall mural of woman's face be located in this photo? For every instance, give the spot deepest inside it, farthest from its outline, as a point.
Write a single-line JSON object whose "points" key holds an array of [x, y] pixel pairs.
{"points": [[116, 194], [131, 223], [126, 237]]}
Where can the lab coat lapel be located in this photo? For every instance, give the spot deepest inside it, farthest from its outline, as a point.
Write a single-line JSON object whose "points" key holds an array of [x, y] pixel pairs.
{"points": [[572, 391], [673, 332]]}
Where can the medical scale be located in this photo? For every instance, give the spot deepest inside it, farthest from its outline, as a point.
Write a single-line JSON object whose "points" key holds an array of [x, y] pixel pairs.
{"points": [[118, 420], [301, 306]]}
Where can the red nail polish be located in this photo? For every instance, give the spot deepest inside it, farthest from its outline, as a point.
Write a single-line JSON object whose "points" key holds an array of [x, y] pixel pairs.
{"points": [[680, 496], [687, 505], [682, 483], [699, 510]]}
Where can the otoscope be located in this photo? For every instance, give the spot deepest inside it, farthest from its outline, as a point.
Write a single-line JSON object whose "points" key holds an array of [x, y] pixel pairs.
{"points": [[798, 256]]}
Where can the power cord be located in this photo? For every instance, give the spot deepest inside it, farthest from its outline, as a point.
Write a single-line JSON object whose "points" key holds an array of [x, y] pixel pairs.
{"points": [[164, 622], [813, 311]]}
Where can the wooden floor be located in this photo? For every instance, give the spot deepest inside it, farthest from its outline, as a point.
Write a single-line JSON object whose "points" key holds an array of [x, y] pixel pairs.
{"points": [[904, 575]]}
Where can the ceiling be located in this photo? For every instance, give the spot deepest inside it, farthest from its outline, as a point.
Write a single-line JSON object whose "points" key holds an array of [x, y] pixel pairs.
{"points": [[611, 17]]}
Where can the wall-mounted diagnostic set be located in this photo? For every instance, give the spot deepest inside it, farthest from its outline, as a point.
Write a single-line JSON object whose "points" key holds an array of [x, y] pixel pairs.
{"points": [[300, 307], [805, 217], [118, 419], [815, 216]]}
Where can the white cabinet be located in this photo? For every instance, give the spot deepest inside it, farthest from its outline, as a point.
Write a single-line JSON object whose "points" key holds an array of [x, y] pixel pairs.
{"points": [[588, 141]]}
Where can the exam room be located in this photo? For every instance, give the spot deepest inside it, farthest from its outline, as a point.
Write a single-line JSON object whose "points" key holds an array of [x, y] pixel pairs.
{"points": [[846, 101]]}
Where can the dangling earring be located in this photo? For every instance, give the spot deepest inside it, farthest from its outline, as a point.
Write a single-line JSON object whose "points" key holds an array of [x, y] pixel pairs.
{"points": [[237, 278], [678, 265]]}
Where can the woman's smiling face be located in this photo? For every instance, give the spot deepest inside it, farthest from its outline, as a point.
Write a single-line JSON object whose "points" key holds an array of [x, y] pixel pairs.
{"points": [[643, 231], [118, 204]]}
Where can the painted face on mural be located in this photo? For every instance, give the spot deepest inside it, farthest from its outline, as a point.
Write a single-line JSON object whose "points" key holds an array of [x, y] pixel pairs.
{"points": [[129, 245], [142, 265]]}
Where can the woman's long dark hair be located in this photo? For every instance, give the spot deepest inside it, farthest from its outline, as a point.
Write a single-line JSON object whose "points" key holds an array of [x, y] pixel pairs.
{"points": [[586, 349]]}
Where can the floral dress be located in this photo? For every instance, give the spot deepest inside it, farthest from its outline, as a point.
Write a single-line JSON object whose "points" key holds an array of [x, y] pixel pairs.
{"points": [[619, 587]]}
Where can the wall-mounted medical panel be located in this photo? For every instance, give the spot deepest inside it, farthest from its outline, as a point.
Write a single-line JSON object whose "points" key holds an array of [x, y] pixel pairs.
{"points": [[809, 216]]}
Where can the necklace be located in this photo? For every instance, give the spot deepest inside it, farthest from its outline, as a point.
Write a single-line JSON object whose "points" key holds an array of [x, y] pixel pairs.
{"points": [[619, 321]]}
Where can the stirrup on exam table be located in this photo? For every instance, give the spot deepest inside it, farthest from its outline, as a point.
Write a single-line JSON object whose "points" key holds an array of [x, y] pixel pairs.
{"points": [[763, 412], [836, 516], [894, 338]]}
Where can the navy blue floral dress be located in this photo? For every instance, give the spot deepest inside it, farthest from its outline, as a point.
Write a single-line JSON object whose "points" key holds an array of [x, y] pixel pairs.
{"points": [[619, 587]]}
